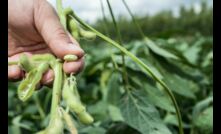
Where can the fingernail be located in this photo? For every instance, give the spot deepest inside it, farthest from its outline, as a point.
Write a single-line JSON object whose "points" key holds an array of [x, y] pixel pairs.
{"points": [[74, 46], [49, 81], [78, 50]]}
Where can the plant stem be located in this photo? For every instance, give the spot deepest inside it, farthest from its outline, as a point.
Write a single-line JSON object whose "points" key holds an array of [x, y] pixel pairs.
{"points": [[57, 85], [69, 122], [104, 18], [134, 19], [140, 63], [124, 74], [61, 14], [40, 109], [161, 82]]}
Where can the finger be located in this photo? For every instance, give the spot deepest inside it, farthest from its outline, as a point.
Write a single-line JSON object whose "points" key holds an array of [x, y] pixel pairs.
{"points": [[47, 78], [73, 39], [15, 73], [49, 26], [73, 67]]}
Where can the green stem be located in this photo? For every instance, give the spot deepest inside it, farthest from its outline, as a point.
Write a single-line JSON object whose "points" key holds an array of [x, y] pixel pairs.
{"points": [[104, 18], [140, 63], [134, 19], [161, 82], [40, 109], [57, 85], [124, 74], [69, 122], [61, 13]]}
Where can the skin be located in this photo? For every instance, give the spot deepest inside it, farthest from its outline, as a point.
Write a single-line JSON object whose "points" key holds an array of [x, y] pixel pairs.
{"points": [[34, 28]]}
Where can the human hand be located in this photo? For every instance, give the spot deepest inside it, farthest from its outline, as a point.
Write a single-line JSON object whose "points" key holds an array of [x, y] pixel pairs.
{"points": [[34, 28]]}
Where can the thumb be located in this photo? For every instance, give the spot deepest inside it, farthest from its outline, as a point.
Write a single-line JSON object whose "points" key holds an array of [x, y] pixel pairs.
{"points": [[51, 30]]}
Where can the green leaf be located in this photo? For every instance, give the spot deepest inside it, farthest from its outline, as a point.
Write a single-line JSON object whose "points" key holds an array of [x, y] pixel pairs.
{"points": [[160, 51], [121, 128], [179, 85], [115, 113], [204, 121], [93, 130], [192, 53], [14, 130], [158, 98], [99, 110], [114, 94], [172, 119], [26, 125], [141, 115], [201, 105], [132, 65]]}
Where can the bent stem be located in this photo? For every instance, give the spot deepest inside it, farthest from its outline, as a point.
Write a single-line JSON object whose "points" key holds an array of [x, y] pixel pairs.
{"points": [[40, 109], [140, 63], [145, 37]]}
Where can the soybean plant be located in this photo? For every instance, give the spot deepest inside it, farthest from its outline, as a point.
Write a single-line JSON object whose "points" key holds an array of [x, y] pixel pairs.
{"points": [[64, 86]]}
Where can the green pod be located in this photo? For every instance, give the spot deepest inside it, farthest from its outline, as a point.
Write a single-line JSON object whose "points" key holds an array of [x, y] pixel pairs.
{"points": [[75, 105], [67, 11], [85, 118], [70, 57], [87, 34], [29, 84], [75, 34], [71, 96], [25, 63], [42, 57], [73, 28], [71, 100], [66, 91]]}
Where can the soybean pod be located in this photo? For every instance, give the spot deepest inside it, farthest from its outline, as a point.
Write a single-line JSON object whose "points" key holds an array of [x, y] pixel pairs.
{"points": [[73, 28], [29, 84], [89, 35], [85, 118], [25, 63]]}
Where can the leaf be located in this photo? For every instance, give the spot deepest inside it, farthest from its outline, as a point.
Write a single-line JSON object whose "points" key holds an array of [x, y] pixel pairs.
{"points": [[204, 121], [201, 105], [93, 130], [159, 51], [172, 119], [16, 121], [114, 94], [153, 68], [179, 85], [121, 128], [14, 130], [99, 110], [158, 98], [192, 53], [115, 113], [29, 84], [141, 115], [132, 65]]}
